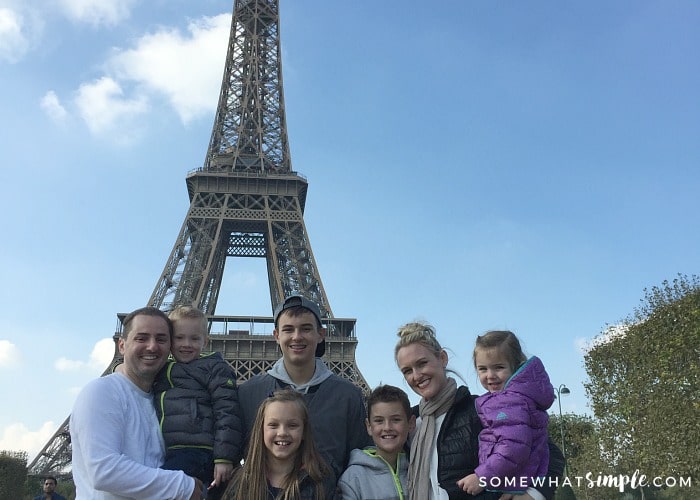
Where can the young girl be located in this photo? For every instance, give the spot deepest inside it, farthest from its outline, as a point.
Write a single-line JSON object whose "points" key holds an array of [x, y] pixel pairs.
{"points": [[513, 445], [282, 461]]}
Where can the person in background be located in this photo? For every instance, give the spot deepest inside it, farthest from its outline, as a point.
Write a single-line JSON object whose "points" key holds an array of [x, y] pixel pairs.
{"points": [[117, 445], [336, 405], [197, 405], [381, 471], [49, 493]]}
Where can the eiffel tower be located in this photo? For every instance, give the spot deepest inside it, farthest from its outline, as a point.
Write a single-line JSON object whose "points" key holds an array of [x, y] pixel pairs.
{"points": [[245, 201]]}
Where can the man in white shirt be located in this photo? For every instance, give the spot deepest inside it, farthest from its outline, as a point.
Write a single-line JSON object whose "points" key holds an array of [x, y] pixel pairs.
{"points": [[116, 440]]}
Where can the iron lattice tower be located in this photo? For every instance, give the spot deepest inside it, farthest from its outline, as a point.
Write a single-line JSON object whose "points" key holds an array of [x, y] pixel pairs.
{"points": [[245, 201]]}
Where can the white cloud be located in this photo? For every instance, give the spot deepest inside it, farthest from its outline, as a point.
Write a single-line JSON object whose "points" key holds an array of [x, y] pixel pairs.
{"points": [[107, 111], [16, 437], [52, 107], [186, 69], [13, 42], [66, 365], [610, 333], [100, 358], [97, 12], [102, 354], [9, 354], [21, 28]]}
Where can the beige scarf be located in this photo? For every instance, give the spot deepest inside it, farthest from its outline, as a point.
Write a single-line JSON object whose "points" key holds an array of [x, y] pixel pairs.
{"points": [[421, 446]]}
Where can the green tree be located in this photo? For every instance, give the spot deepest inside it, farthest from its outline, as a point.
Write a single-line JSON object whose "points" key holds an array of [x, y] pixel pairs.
{"points": [[644, 385], [574, 428], [13, 472], [578, 431], [583, 456]]}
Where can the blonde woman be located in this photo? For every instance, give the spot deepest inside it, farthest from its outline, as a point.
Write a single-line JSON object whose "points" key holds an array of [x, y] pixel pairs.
{"points": [[445, 446]]}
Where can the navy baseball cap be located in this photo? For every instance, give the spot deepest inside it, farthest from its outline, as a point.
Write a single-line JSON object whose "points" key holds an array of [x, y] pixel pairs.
{"points": [[297, 300]]}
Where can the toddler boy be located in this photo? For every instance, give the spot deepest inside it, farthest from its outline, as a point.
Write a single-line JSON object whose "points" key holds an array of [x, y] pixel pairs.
{"points": [[197, 405]]}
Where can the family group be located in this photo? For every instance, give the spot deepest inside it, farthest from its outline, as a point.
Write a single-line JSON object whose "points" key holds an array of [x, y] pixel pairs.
{"points": [[171, 422]]}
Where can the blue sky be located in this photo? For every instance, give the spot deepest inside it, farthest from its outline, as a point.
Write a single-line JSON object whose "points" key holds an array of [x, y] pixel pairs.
{"points": [[522, 165]]}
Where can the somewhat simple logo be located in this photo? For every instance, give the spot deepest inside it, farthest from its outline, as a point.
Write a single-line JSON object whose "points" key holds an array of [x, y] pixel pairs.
{"points": [[501, 416]]}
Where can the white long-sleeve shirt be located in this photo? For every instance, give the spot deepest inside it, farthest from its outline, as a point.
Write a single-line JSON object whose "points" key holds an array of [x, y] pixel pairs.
{"points": [[118, 447]]}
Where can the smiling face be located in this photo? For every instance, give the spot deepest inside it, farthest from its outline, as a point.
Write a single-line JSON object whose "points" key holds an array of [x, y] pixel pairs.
{"points": [[145, 349], [388, 425], [423, 370], [283, 430], [188, 339], [493, 368], [298, 336]]}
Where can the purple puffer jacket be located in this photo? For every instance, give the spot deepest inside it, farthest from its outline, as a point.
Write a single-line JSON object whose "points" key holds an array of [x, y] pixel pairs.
{"points": [[513, 442]]}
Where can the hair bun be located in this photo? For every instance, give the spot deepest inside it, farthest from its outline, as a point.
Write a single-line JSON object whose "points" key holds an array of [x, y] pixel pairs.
{"points": [[416, 328], [419, 332]]}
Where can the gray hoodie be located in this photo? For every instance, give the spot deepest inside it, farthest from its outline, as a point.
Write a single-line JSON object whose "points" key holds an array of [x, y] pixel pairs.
{"points": [[370, 477], [336, 409]]}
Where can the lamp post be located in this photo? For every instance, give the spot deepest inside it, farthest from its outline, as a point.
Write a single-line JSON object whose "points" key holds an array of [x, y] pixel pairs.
{"points": [[562, 390]]}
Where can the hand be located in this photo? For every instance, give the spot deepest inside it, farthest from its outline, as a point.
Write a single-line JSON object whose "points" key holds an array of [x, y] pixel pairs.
{"points": [[222, 473], [470, 484], [198, 489]]}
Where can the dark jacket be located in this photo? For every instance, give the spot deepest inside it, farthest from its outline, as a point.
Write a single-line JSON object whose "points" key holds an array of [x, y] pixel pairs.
{"points": [[307, 487], [197, 406], [458, 444], [458, 447]]}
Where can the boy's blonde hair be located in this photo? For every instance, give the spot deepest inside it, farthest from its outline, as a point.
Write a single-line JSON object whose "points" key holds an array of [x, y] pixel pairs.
{"points": [[189, 312]]}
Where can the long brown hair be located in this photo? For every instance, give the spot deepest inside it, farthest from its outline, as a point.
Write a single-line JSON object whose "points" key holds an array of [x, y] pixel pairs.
{"points": [[250, 481]]}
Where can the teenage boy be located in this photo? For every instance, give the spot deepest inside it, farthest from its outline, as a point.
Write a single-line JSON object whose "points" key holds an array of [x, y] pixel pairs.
{"points": [[336, 407], [381, 471]]}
